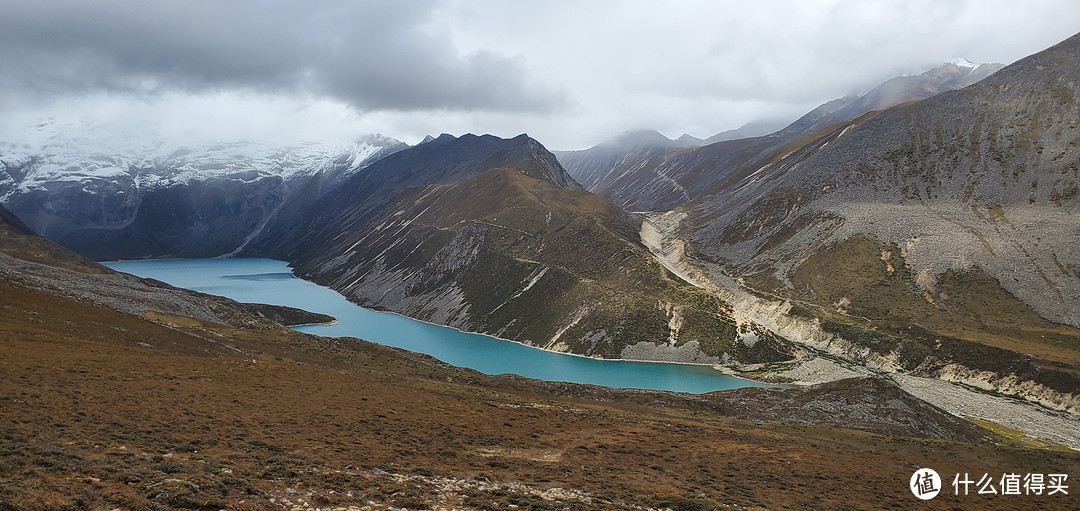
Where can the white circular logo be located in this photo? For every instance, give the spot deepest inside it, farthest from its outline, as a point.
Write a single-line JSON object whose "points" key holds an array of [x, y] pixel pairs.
{"points": [[925, 483]]}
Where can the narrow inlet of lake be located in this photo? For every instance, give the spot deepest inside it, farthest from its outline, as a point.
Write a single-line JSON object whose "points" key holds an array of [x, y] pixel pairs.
{"points": [[270, 281]]}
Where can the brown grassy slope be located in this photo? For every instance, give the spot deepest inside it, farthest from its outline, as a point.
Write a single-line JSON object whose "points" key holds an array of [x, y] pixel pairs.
{"points": [[210, 417], [864, 290], [18, 240], [102, 409], [487, 237], [880, 286]]}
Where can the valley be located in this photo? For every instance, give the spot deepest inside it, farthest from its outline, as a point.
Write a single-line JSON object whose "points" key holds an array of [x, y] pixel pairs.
{"points": [[494, 237], [942, 262], [184, 400], [793, 314]]}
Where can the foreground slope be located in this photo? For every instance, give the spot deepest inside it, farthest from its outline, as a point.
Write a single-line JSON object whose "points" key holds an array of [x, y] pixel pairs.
{"points": [[106, 408], [941, 235]]}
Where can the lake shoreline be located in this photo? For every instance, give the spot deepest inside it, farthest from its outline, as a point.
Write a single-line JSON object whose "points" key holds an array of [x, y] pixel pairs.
{"points": [[237, 279], [715, 367]]}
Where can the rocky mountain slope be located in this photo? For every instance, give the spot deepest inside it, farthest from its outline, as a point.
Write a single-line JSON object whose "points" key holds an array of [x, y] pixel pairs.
{"points": [[149, 197], [436, 161], [656, 174], [492, 236], [485, 234], [33, 262], [903, 89], [941, 235], [751, 129], [199, 405], [633, 151]]}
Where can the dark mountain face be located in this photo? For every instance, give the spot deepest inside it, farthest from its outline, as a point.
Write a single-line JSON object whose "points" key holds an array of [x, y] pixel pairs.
{"points": [[20, 241], [447, 159], [439, 161], [594, 167], [12, 224], [659, 176], [199, 201], [200, 219]]}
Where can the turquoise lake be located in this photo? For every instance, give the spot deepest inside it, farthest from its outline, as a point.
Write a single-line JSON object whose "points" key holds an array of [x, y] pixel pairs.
{"points": [[271, 281]]}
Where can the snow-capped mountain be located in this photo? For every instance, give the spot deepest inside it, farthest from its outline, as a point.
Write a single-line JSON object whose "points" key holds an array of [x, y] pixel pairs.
{"points": [[100, 196], [159, 163], [962, 62]]}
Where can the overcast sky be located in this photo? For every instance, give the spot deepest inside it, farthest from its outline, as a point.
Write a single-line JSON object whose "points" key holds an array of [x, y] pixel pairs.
{"points": [[570, 74]]}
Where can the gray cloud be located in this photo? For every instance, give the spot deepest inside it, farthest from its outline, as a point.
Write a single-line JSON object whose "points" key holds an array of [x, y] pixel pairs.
{"points": [[569, 73], [373, 55]]}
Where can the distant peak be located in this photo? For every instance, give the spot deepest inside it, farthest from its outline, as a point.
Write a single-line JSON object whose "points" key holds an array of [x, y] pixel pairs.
{"points": [[644, 134], [638, 138], [377, 139], [962, 62], [441, 139]]}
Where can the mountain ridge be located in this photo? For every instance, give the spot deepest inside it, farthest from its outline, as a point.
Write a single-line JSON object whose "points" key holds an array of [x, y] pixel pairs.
{"points": [[492, 236], [661, 176], [940, 233], [442, 160]]}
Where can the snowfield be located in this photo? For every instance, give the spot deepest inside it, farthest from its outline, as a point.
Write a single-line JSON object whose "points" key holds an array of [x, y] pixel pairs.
{"points": [[157, 164]]}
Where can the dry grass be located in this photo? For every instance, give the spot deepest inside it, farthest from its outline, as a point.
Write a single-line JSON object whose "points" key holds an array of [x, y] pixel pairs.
{"points": [[1012, 437], [17, 240], [91, 418], [969, 306]]}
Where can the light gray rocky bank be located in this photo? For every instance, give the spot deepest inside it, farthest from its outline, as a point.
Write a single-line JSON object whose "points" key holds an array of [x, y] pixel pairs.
{"points": [[828, 357]]}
